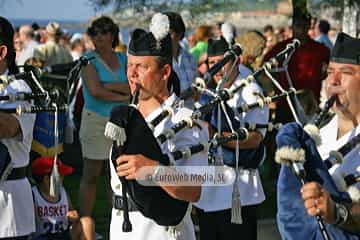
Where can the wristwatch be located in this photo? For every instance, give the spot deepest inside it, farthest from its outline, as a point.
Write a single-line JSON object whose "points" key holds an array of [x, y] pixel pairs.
{"points": [[341, 214]]}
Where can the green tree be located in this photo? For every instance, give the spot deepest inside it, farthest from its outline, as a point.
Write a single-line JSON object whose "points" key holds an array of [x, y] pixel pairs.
{"points": [[350, 17], [350, 7], [350, 13]]}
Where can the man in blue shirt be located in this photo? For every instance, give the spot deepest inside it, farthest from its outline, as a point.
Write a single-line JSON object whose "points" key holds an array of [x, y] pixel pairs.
{"points": [[184, 63], [322, 28]]}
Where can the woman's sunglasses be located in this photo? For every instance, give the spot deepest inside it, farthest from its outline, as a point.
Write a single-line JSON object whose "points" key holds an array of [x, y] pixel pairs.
{"points": [[92, 32]]}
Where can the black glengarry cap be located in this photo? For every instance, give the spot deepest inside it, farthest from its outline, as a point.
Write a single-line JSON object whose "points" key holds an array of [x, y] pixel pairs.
{"points": [[346, 50]]}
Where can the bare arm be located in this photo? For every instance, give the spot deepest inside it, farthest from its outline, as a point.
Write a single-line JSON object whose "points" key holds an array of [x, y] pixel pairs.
{"points": [[71, 207], [9, 126], [96, 88], [253, 141], [317, 201], [72, 214], [122, 88]]}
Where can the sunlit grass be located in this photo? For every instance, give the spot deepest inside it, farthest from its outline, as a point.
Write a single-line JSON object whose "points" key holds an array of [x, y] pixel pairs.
{"points": [[101, 213]]}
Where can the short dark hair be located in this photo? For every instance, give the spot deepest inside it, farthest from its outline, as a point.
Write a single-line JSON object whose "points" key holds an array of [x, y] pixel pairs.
{"points": [[218, 24], [162, 60], [324, 26], [35, 26], [176, 23], [268, 28], [173, 81], [104, 24], [7, 39]]}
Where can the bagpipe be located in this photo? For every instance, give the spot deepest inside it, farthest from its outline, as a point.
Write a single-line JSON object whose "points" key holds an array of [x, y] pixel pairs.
{"points": [[41, 95], [346, 183], [49, 104], [221, 95], [266, 101], [301, 163], [200, 84], [10, 98], [249, 158], [336, 157], [351, 179], [313, 128], [62, 77], [126, 126], [43, 143]]}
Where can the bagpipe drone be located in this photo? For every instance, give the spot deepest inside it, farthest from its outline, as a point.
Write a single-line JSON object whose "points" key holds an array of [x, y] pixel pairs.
{"points": [[126, 126], [301, 163], [50, 107]]}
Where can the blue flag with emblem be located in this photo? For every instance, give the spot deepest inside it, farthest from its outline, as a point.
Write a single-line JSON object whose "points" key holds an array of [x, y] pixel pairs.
{"points": [[43, 134]]}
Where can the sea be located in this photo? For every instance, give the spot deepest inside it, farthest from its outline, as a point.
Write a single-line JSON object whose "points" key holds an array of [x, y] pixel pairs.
{"points": [[68, 26]]}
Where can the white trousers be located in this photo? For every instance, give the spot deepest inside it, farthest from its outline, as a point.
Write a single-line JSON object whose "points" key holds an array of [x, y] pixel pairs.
{"points": [[144, 228]]}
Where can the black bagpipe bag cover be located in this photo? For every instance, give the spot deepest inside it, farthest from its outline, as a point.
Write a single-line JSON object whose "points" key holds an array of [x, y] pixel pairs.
{"points": [[152, 201]]}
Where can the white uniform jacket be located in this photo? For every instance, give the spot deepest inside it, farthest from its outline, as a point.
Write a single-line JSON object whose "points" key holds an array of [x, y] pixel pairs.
{"points": [[145, 228], [16, 203], [217, 198]]}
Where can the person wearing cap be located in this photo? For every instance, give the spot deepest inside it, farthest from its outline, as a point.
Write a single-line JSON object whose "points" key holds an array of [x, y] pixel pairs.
{"points": [[215, 209], [149, 71], [184, 63], [343, 80], [16, 208], [55, 216], [52, 52]]}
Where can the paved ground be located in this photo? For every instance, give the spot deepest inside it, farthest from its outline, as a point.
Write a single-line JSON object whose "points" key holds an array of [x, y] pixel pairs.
{"points": [[267, 230]]}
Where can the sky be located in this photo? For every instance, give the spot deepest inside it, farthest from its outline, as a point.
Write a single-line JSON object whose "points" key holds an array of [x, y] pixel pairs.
{"points": [[47, 9]]}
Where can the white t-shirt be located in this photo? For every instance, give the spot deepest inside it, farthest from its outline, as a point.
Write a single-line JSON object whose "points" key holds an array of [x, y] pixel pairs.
{"points": [[145, 228], [51, 217], [217, 198], [16, 203], [330, 142], [27, 52]]}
